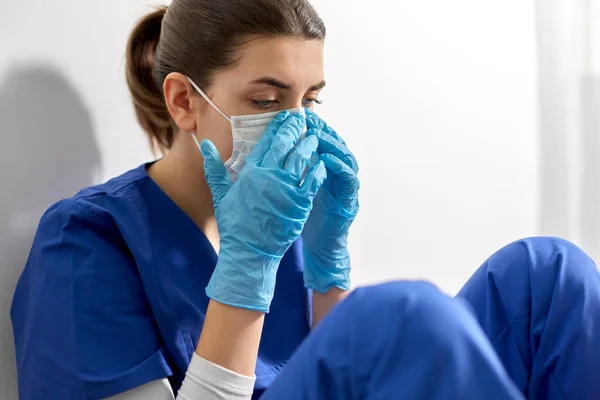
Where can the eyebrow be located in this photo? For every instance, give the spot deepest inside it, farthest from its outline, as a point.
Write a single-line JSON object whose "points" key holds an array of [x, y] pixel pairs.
{"points": [[269, 80], [318, 86]]}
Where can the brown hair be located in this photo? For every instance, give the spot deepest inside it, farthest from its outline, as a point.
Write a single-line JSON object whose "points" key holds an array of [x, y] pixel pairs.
{"points": [[197, 38]]}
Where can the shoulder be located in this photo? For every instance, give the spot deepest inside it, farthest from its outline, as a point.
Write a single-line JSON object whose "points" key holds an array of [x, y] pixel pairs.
{"points": [[91, 228], [79, 249], [79, 239], [117, 185], [99, 206]]}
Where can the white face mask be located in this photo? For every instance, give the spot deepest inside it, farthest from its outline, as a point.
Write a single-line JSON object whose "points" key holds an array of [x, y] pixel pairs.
{"points": [[247, 130]]}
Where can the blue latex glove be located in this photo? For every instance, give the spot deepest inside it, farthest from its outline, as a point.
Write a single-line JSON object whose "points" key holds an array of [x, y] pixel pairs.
{"points": [[263, 213], [325, 236]]}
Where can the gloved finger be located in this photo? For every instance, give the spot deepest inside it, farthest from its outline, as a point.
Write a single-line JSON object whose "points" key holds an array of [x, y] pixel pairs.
{"points": [[264, 144], [329, 144], [337, 166], [345, 184], [314, 122], [300, 157], [284, 141], [214, 170], [314, 179]]}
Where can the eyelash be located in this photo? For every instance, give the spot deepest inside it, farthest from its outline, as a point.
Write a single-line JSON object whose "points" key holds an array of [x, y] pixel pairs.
{"points": [[269, 103], [316, 101]]}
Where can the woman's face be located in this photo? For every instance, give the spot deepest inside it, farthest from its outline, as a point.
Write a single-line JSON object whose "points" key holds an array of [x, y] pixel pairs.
{"points": [[272, 74]]}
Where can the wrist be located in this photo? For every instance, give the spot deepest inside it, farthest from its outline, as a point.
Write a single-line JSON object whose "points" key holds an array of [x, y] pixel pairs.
{"points": [[246, 281], [322, 275], [230, 337], [323, 303]]}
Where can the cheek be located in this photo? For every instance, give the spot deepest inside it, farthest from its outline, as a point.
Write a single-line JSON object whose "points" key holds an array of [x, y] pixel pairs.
{"points": [[224, 142], [217, 130]]}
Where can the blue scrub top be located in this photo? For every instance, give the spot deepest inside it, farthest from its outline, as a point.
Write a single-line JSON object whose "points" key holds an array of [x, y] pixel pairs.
{"points": [[112, 296]]}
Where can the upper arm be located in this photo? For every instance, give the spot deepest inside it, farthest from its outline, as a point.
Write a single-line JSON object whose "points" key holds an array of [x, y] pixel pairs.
{"points": [[82, 322]]}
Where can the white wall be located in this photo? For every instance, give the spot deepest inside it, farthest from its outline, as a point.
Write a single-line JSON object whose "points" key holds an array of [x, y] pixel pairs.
{"points": [[436, 98], [569, 76]]}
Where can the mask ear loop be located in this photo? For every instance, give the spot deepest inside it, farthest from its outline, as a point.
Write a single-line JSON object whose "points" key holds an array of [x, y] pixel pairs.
{"points": [[196, 140], [209, 101]]}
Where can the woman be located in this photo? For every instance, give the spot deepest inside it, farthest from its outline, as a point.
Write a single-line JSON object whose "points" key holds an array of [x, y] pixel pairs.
{"points": [[112, 300]]}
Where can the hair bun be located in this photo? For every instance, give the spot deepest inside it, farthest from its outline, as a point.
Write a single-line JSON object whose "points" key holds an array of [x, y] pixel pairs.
{"points": [[148, 102]]}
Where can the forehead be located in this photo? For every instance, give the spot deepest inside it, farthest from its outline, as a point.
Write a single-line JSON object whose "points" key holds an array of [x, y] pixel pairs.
{"points": [[296, 61]]}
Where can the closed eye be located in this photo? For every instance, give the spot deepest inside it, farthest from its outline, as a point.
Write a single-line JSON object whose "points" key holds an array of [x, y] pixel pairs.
{"points": [[306, 103], [264, 104]]}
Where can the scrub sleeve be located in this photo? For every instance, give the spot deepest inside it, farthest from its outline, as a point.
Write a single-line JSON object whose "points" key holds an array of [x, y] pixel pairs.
{"points": [[83, 326]]}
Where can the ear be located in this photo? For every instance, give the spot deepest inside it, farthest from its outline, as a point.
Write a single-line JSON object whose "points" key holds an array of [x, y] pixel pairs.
{"points": [[181, 101]]}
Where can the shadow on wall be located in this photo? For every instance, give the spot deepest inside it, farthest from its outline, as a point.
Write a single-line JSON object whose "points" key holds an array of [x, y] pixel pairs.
{"points": [[49, 152], [589, 217]]}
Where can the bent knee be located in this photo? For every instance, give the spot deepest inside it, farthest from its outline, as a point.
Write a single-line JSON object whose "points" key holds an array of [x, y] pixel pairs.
{"points": [[396, 295], [414, 309], [542, 258]]}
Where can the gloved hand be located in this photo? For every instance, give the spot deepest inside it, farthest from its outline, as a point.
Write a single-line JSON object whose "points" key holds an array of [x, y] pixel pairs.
{"points": [[263, 213], [326, 257]]}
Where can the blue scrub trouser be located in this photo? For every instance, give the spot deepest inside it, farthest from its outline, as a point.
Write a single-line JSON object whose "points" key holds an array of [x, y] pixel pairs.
{"points": [[526, 325]]}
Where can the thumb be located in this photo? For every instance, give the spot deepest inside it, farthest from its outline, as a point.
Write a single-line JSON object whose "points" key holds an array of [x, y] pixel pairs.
{"points": [[214, 170]]}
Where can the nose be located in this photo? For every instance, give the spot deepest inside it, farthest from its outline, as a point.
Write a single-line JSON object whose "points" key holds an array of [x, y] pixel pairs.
{"points": [[293, 103]]}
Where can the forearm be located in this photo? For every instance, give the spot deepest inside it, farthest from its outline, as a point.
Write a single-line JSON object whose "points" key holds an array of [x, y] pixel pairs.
{"points": [[323, 303], [230, 337]]}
